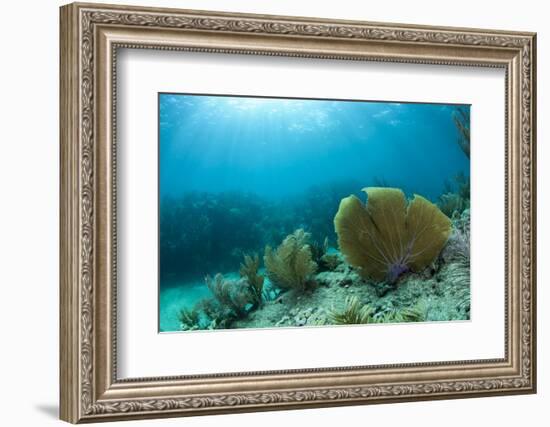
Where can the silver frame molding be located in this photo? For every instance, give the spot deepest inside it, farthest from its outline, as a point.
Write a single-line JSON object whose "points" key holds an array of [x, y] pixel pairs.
{"points": [[90, 37]]}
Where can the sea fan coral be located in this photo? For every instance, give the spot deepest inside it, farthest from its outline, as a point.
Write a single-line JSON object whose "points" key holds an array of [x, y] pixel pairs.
{"points": [[233, 294], [386, 238], [189, 318], [458, 245], [449, 203], [458, 280], [461, 118], [291, 265], [249, 271], [455, 201], [318, 250]]}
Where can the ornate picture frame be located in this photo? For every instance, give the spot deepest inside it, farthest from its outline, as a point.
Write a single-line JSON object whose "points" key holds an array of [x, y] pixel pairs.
{"points": [[91, 34]]}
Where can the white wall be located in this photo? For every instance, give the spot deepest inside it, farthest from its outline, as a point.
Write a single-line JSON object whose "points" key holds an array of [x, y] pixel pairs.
{"points": [[29, 170]]}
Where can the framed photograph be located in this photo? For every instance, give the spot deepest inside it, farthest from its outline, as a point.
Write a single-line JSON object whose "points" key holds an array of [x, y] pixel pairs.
{"points": [[267, 212]]}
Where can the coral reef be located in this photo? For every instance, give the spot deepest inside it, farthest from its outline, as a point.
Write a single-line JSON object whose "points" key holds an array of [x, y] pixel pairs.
{"points": [[443, 296], [190, 230], [283, 236], [458, 286], [189, 318], [354, 313], [461, 119], [386, 238], [191, 226], [232, 294], [415, 313], [249, 271], [330, 261], [462, 182], [290, 266], [348, 289], [318, 250], [458, 246], [213, 315], [449, 203], [453, 202]]}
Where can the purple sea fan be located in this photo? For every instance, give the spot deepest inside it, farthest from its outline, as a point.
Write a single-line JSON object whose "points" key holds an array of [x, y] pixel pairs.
{"points": [[395, 270], [387, 236]]}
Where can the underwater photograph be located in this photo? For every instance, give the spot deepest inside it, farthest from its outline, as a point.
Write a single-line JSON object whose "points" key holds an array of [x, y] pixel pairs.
{"points": [[292, 212]]}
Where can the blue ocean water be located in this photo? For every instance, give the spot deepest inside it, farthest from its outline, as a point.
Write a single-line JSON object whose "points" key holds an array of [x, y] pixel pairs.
{"points": [[237, 173]]}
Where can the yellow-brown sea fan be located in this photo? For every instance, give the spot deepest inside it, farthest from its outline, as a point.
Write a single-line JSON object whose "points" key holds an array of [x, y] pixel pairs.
{"points": [[386, 236]]}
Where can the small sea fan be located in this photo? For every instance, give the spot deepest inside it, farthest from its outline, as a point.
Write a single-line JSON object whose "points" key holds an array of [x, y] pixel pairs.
{"points": [[189, 318], [458, 246], [233, 294], [291, 265], [461, 119], [449, 203], [249, 271]]}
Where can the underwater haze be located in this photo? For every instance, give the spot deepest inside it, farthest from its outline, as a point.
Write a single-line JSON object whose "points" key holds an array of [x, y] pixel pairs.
{"points": [[277, 147], [237, 174]]}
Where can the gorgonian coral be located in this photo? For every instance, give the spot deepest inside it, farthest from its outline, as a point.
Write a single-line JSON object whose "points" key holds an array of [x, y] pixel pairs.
{"points": [[290, 265], [387, 237], [461, 118], [249, 271], [189, 318], [235, 295], [449, 203]]}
